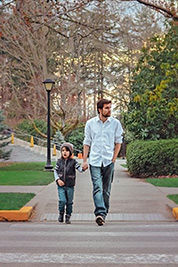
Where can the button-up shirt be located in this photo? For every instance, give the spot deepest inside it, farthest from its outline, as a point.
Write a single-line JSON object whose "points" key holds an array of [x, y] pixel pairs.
{"points": [[101, 138]]}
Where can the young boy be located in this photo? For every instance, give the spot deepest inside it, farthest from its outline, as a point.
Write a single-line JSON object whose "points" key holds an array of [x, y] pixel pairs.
{"points": [[65, 174]]}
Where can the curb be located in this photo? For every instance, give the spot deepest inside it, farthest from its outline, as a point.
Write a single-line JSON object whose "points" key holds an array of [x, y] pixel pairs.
{"points": [[16, 215], [175, 213]]}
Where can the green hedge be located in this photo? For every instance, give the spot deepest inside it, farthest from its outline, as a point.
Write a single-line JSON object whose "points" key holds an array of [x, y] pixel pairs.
{"points": [[153, 158]]}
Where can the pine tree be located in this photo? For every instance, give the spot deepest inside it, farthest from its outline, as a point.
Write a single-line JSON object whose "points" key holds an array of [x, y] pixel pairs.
{"points": [[58, 139], [4, 154]]}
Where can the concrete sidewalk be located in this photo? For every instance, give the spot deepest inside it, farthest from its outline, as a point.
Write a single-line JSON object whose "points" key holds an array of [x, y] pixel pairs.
{"points": [[131, 199]]}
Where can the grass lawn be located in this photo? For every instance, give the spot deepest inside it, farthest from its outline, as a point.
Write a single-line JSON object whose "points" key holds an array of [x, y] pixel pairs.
{"points": [[124, 165], [25, 174], [14, 201], [164, 182], [173, 198]]}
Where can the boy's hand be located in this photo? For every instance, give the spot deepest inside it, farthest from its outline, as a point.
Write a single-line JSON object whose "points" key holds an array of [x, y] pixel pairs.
{"points": [[60, 182], [85, 166]]}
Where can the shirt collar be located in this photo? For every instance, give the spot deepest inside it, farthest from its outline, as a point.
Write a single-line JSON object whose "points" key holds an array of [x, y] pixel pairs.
{"points": [[98, 119]]}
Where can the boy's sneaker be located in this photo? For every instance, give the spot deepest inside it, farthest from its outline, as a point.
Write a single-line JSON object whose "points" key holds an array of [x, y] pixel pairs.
{"points": [[61, 217], [100, 220], [68, 219]]}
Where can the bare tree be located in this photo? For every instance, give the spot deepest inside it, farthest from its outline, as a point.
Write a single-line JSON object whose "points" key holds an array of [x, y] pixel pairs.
{"points": [[35, 47], [89, 52], [169, 8]]}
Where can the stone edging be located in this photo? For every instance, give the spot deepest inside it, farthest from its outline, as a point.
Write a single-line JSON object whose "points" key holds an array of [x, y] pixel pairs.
{"points": [[16, 215]]}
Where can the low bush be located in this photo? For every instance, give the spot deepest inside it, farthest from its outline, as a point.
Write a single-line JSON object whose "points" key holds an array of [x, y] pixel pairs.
{"points": [[153, 158]]}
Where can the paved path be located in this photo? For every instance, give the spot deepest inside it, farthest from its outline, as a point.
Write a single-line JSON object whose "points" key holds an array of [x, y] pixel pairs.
{"points": [[131, 199], [25, 154]]}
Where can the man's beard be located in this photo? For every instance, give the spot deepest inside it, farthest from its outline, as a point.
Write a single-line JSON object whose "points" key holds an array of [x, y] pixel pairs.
{"points": [[106, 115]]}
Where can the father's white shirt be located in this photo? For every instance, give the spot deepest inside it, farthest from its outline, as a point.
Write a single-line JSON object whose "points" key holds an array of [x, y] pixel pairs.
{"points": [[102, 137]]}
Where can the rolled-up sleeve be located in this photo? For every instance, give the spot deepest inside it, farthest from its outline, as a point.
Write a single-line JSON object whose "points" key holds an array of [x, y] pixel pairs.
{"points": [[87, 138], [118, 133]]}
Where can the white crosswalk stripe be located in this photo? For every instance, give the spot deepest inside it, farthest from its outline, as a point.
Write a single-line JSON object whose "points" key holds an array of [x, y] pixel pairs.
{"points": [[88, 258], [86, 244]]}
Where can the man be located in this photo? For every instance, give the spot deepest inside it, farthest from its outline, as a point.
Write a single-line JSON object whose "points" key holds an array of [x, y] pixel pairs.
{"points": [[103, 138]]}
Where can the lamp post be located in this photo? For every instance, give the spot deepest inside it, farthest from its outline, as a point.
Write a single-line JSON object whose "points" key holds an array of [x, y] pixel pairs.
{"points": [[48, 83]]}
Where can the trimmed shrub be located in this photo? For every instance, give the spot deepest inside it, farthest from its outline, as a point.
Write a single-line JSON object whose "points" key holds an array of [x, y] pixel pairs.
{"points": [[153, 158]]}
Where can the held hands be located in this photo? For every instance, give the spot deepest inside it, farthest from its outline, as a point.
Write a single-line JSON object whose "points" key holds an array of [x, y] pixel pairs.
{"points": [[85, 166], [60, 182]]}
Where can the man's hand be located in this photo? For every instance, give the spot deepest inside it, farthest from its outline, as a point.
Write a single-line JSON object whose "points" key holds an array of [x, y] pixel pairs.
{"points": [[85, 154], [85, 166], [60, 182], [116, 151]]}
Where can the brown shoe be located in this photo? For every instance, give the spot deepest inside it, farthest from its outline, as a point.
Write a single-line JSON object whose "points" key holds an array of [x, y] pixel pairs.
{"points": [[100, 220]]}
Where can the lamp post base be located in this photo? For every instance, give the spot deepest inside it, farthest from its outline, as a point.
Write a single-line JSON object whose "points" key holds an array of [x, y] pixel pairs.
{"points": [[48, 168]]}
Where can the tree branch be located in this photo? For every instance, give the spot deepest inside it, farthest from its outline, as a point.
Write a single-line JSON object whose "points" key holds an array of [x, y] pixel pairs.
{"points": [[158, 8]]}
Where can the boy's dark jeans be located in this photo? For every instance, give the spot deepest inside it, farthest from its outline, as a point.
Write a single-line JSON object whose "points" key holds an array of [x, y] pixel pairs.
{"points": [[66, 195], [102, 178]]}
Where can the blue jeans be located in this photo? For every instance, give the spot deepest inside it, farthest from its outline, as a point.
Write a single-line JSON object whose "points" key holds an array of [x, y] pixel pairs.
{"points": [[66, 195], [102, 178]]}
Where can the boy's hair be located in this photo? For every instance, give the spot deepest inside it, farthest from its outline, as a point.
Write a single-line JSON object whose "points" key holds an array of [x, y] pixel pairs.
{"points": [[101, 102], [69, 147]]}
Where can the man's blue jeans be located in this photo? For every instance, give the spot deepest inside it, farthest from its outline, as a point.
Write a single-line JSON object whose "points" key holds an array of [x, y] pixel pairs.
{"points": [[102, 178], [66, 195]]}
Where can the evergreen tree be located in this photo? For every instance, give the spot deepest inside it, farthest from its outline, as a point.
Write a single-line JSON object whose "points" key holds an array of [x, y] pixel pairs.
{"points": [[3, 139], [153, 108], [58, 139]]}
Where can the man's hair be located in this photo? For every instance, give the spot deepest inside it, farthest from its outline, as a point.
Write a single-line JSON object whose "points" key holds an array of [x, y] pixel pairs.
{"points": [[101, 102]]}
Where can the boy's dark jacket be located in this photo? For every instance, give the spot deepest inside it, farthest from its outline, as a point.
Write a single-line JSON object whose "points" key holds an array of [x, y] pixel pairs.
{"points": [[66, 170]]}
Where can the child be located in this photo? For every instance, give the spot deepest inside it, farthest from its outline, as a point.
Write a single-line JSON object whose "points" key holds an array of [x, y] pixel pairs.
{"points": [[65, 174]]}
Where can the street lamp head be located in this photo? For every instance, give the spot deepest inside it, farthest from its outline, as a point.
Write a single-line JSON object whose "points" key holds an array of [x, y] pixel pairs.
{"points": [[48, 83]]}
